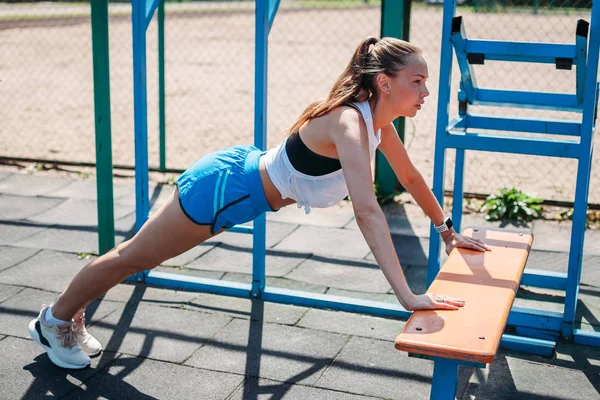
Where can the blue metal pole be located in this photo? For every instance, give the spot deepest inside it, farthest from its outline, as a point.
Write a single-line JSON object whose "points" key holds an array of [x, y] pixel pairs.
{"points": [[140, 112], [260, 129], [433, 265], [458, 192], [583, 175], [445, 375]]}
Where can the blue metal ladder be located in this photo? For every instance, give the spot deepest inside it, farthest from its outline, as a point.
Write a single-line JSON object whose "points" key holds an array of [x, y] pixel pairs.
{"points": [[576, 142]]}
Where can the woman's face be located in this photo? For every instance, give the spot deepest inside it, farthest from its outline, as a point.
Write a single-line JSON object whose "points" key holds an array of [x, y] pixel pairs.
{"points": [[408, 89]]}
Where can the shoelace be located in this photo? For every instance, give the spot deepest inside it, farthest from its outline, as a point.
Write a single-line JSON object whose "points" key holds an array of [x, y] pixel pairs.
{"points": [[79, 324], [66, 335]]}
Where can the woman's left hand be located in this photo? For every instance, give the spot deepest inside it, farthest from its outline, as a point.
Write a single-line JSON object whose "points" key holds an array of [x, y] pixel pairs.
{"points": [[456, 240]]}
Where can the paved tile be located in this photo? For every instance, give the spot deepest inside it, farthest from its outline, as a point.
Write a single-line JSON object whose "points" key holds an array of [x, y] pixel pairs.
{"points": [[87, 189], [157, 195], [276, 232], [382, 297], [8, 291], [346, 243], [372, 366], [416, 276], [270, 351], [48, 270], [361, 275], [351, 324], [336, 216], [13, 232], [77, 212], [160, 333], [411, 250], [10, 256], [248, 309], [375, 368], [28, 373], [18, 311], [512, 378], [5, 174], [135, 378], [32, 185], [13, 208], [283, 283], [228, 258], [76, 240], [266, 389], [191, 272]]}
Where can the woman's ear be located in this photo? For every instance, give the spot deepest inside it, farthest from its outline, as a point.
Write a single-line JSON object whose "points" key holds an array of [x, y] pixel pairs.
{"points": [[382, 82]]}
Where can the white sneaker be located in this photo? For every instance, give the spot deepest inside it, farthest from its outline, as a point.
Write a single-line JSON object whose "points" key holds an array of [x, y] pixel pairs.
{"points": [[59, 342], [87, 342]]}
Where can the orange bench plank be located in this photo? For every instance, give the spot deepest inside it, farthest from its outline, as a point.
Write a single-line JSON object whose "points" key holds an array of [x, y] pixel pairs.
{"points": [[488, 284]]}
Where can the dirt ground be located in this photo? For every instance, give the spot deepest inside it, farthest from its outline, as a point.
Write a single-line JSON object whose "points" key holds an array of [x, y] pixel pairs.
{"points": [[46, 87]]}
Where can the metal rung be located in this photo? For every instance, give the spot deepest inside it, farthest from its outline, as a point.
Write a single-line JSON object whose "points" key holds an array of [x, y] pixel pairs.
{"points": [[544, 279], [587, 338], [528, 345], [520, 51], [535, 100], [545, 126], [515, 145]]}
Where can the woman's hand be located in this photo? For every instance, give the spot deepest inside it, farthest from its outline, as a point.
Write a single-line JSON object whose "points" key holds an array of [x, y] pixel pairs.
{"points": [[456, 240], [431, 301]]}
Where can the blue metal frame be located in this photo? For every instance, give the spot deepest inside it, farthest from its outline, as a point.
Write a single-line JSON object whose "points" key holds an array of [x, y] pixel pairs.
{"points": [[532, 320], [460, 134]]}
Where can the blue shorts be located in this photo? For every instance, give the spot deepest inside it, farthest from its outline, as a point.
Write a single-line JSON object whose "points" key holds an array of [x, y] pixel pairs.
{"points": [[223, 188]]}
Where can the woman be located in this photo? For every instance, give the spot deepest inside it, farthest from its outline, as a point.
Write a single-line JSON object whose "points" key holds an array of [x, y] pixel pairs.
{"points": [[327, 156]]}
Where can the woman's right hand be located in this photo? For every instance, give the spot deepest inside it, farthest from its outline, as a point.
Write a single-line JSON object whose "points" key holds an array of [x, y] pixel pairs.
{"points": [[432, 301]]}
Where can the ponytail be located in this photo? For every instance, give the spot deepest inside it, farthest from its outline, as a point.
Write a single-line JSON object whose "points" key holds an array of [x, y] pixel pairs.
{"points": [[356, 83]]}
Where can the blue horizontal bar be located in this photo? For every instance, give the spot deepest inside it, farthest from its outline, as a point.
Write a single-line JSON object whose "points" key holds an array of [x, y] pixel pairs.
{"points": [[587, 338], [544, 279], [241, 229], [194, 283], [537, 333], [339, 303], [547, 126], [535, 100], [516, 145], [528, 345], [521, 51], [532, 318]]}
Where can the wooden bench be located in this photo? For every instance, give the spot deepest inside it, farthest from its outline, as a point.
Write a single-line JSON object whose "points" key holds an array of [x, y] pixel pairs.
{"points": [[488, 284]]}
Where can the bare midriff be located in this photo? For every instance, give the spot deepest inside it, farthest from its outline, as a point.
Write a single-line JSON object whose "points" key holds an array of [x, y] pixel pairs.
{"points": [[271, 193]]}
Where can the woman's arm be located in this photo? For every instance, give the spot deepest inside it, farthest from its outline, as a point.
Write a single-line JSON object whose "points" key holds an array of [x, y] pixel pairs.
{"points": [[349, 135], [393, 149]]}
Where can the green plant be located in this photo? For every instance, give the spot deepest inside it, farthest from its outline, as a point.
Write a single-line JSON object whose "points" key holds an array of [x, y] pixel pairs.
{"points": [[83, 256], [383, 198], [511, 204], [592, 218]]}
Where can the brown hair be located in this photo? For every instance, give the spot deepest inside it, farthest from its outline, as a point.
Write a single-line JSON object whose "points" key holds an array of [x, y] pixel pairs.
{"points": [[357, 82]]}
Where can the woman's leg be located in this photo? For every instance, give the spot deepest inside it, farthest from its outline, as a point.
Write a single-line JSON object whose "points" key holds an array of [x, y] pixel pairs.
{"points": [[166, 234]]}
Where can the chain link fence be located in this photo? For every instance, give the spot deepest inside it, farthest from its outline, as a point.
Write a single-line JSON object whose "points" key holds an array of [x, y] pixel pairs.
{"points": [[46, 88]]}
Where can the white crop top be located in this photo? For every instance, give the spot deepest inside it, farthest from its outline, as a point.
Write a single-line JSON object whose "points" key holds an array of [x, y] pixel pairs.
{"points": [[314, 191]]}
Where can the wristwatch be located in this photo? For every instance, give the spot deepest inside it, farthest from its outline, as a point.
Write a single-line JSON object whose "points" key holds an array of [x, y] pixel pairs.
{"points": [[446, 225]]}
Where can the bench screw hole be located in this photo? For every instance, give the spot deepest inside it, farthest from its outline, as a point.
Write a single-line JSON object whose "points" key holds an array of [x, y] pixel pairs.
{"points": [[419, 329], [475, 230], [520, 234], [482, 337]]}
